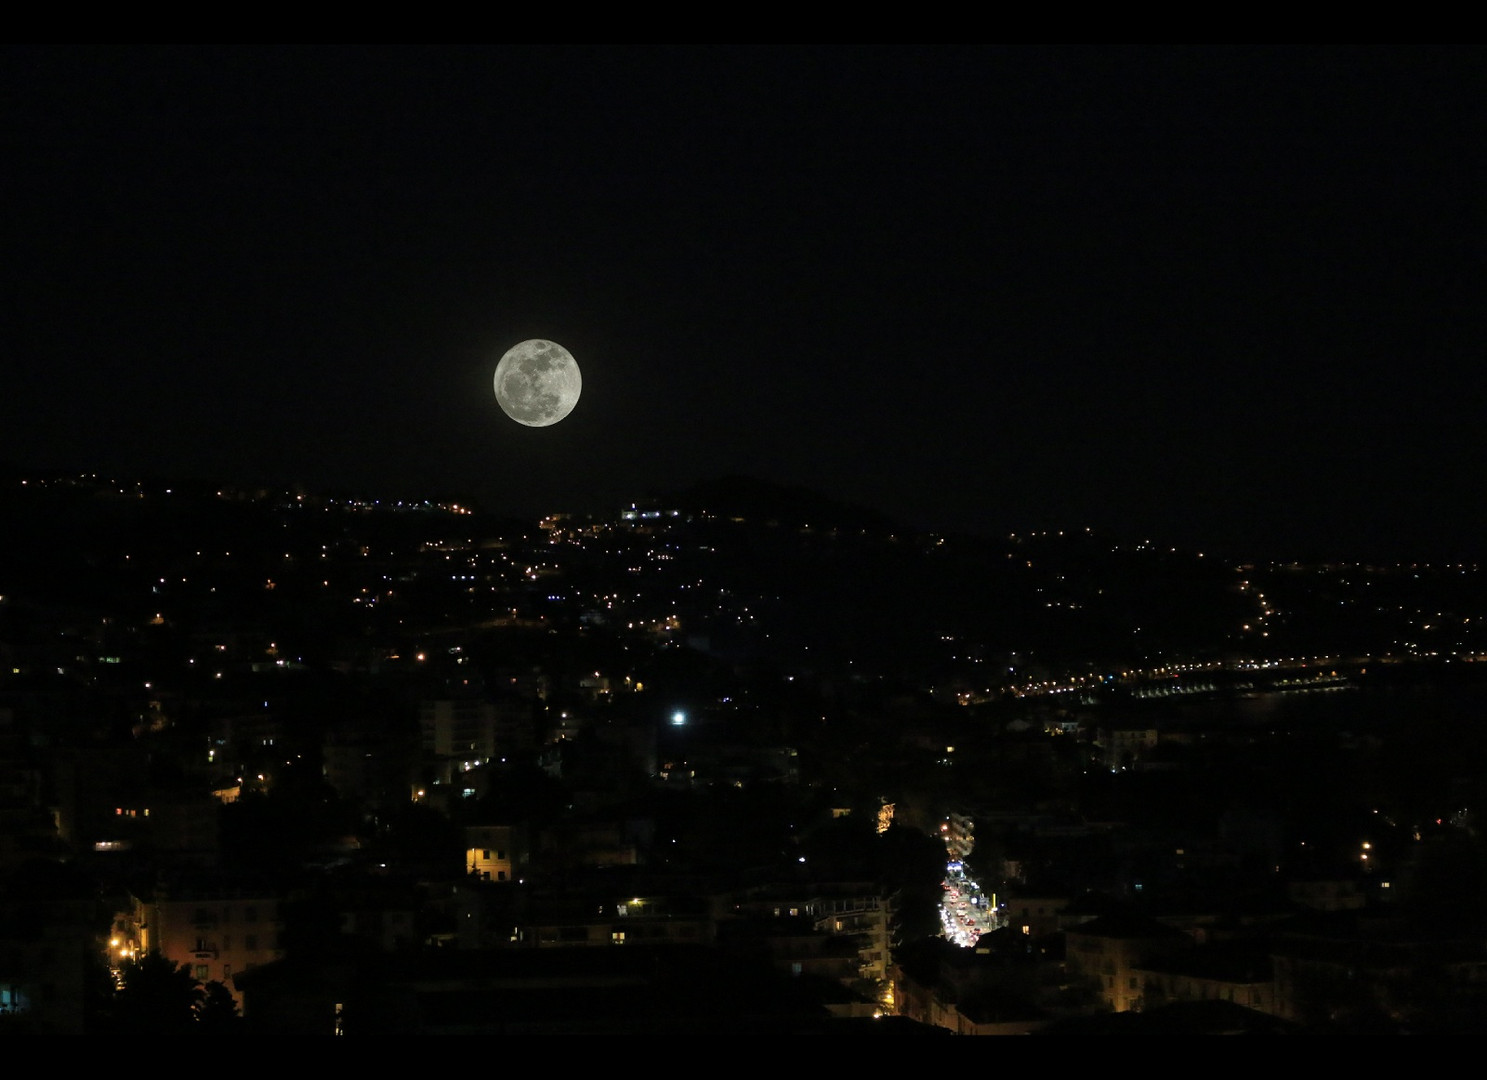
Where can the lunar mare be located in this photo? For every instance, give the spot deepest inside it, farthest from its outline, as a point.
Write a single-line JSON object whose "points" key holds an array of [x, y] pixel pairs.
{"points": [[537, 382]]}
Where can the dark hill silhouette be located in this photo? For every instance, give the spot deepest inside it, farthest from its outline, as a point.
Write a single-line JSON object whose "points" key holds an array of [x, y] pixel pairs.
{"points": [[753, 498]]}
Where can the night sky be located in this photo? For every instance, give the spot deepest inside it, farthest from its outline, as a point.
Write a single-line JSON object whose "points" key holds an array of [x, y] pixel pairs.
{"points": [[1229, 298]]}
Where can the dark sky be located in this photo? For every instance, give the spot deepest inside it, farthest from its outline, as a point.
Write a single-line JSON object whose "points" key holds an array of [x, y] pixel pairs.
{"points": [[1234, 298]]}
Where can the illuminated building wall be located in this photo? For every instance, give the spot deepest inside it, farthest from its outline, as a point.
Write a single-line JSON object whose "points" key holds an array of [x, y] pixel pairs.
{"points": [[495, 852], [217, 936]]}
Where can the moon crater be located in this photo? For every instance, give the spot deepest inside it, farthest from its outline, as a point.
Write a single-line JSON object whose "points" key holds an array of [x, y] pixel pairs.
{"points": [[537, 382]]}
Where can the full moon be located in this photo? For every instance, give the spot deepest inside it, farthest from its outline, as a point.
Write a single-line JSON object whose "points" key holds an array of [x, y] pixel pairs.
{"points": [[537, 383]]}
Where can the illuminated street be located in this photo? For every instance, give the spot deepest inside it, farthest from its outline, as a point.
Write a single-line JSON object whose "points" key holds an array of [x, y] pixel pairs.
{"points": [[965, 912]]}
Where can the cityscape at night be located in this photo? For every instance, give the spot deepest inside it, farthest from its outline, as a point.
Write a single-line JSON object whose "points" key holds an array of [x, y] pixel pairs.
{"points": [[847, 770], [1011, 562]]}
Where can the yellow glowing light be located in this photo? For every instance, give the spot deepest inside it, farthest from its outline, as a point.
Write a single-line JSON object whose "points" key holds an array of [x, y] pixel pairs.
{"points": [[885, 817]]}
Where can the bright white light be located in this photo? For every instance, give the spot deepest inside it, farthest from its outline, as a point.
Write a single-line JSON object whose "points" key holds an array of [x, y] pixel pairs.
{"points": [[537, 383], [678, 718]]}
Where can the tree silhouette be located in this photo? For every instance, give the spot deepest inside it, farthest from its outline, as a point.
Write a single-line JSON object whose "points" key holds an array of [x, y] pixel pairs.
{"points": [[158, 995], [216, 1010]]}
